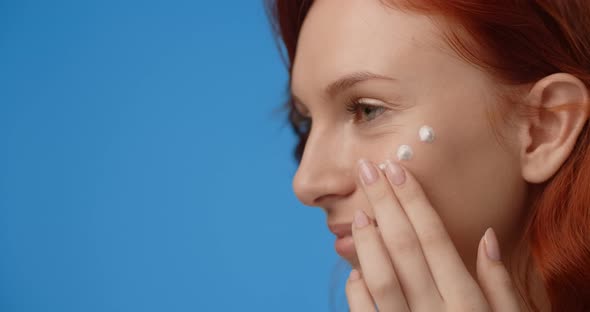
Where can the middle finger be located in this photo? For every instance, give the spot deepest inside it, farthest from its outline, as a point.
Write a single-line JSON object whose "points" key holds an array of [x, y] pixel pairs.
{"points": [[400, 240]]}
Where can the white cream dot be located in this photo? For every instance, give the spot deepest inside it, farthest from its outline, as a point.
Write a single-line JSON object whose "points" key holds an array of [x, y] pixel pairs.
{"points": [[426, 134], [404, 152], [382, 166]]}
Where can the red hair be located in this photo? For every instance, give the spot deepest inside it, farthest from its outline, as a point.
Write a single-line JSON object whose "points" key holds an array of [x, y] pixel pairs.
{"points": [[518, 42]]}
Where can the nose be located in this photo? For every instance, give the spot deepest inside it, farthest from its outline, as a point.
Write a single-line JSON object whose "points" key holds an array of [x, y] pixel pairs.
{"points": [[325, 171]]}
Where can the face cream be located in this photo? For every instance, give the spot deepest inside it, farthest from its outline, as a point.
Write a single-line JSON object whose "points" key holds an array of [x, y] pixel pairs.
{"points": [[426, 134], [404, 152]]}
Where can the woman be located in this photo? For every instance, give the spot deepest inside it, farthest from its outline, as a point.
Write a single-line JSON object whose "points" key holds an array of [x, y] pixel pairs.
{"points": [[448, 144]]}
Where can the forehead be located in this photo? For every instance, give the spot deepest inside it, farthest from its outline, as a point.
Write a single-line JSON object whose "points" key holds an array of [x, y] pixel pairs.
{"points": [[343, 36]]}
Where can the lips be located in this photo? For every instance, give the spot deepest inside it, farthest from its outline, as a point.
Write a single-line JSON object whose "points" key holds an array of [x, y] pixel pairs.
{"points": [[344, 229], [344, 247], [344, 243], [341, 229]]}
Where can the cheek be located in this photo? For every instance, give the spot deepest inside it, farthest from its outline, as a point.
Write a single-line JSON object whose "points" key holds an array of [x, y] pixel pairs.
{"points": [[472, 182]]}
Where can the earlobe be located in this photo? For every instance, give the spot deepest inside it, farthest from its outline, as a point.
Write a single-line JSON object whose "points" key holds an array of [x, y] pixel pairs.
{"points": [[561, 105]]}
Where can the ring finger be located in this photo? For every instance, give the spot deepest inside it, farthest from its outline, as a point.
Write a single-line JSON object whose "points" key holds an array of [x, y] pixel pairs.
{"points": [[377, 269]]}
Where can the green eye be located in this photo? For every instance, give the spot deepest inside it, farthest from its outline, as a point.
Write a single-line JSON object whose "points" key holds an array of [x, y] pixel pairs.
{"points": [[363, 112]]}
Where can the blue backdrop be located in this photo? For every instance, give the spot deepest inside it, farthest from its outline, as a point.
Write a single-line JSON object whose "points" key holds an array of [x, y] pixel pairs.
{"points": [[142, 167]]}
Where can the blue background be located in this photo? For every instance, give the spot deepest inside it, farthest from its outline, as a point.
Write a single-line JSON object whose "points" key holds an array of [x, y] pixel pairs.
{"points": [[142, 167]]}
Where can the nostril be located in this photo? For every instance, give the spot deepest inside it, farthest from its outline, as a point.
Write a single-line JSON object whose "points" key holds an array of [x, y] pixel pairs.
{"points": [[321, 185], [321, 200]]}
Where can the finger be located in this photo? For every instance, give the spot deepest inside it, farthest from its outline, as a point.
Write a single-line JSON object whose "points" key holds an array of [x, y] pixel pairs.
{"points": [[494, 279], [401, 243], [445, 263], [357, 294], [378, 272]]}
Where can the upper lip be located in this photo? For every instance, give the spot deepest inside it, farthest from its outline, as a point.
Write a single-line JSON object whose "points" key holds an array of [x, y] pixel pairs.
{"points": [[344, 229], [341, 229]]}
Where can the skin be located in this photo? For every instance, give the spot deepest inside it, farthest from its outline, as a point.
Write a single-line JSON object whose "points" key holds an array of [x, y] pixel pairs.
{"points": [[469, 178]]}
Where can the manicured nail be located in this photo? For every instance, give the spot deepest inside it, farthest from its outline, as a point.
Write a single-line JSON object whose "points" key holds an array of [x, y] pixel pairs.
{"points": [[395, 172], [368, 173], [360, 219], [492, 247], [354, 275]]}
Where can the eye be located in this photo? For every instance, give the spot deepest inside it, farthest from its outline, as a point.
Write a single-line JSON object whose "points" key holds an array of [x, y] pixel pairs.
{"points": [[363, 111], [301, 110]]}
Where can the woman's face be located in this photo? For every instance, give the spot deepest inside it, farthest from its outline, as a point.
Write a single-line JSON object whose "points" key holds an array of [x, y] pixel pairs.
{"points": [[472, 180]]}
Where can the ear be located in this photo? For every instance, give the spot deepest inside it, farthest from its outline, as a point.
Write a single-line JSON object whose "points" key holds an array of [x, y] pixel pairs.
{"points": [[549, 136]]}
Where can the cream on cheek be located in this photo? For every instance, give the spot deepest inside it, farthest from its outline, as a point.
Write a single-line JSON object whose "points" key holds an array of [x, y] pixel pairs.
{"points": [[405, 151]]}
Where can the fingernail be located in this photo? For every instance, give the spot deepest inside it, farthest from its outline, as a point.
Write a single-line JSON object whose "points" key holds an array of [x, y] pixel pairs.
{"points": [[395, 173], [354, 275], [360, 219], [368, 173], [492, 247]]}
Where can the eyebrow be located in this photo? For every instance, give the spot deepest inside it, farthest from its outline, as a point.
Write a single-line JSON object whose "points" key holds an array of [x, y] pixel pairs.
{"points": [[347, 81]]}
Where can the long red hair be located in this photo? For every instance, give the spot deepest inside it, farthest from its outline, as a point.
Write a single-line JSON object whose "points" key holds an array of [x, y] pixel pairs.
{"points": [[518, 42]]}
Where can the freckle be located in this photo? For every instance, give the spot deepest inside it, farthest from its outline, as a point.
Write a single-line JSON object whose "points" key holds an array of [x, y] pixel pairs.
{"points": [[426, 134], [404, 152]]}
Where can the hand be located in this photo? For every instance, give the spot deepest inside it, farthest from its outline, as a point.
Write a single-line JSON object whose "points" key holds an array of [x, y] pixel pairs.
{"points": [[409, 262]]}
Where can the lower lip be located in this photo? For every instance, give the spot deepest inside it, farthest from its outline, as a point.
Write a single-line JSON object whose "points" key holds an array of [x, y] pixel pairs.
{"points": [[345, 246]]}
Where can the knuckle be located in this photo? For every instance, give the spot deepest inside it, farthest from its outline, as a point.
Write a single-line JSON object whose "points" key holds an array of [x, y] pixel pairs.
{"points": [[378, 194], [469, 306], [412, 195], [383, 286], [432, 237], [403, 243], [505, 282], [467, 299]]}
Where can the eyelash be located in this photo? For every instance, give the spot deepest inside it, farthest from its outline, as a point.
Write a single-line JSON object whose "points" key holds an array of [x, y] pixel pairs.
{"points": [[353, 108]]}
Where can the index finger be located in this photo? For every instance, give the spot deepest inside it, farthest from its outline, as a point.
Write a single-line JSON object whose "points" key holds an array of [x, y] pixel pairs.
{"points": [[446, 265]]}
